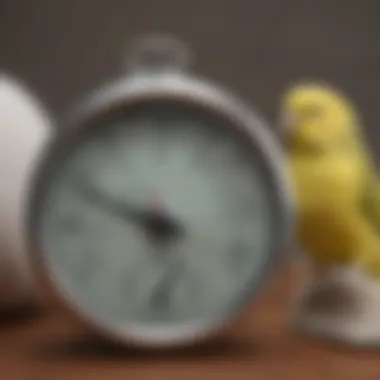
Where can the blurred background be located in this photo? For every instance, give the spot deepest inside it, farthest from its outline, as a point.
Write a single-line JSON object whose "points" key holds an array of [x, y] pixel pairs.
{"points": [[63, 48]]}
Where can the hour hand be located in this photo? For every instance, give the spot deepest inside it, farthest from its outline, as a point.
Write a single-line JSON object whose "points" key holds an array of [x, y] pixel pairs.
{"points": [[160, 297]]}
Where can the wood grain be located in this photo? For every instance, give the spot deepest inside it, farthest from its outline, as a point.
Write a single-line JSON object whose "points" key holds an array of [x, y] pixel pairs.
{"points": [[259, 345]]}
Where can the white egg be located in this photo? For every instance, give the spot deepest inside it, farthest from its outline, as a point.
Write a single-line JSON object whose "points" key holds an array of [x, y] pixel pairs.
{"points": [[25, 127]]}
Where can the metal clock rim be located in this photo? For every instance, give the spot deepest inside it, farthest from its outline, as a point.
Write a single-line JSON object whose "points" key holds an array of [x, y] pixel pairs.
{"points": [[176, 87]]}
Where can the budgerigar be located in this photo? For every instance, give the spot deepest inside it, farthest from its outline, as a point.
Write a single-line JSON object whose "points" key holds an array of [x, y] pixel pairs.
{"points": [[337, 189]]}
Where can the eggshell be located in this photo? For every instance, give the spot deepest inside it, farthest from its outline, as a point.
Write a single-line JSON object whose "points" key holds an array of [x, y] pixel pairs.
{"points": [[25, 128]]}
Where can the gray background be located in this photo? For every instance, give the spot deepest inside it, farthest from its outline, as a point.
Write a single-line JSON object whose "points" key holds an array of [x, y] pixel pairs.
{"points": [[63, 48]]}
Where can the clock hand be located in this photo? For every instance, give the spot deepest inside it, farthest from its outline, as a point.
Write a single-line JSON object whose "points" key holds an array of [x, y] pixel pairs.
{"points": [[158, 224], [122, 210], [160, 298]]}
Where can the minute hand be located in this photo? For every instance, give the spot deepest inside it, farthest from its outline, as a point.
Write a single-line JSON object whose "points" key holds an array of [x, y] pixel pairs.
{"points": [[157, 222], [115, 207]]}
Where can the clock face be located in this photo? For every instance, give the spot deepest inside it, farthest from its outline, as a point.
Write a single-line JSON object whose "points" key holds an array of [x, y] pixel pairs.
{"points": [[164, 161]]}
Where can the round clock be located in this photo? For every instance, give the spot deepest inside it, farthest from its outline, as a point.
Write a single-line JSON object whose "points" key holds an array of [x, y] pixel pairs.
{"points": [[160, 208]]}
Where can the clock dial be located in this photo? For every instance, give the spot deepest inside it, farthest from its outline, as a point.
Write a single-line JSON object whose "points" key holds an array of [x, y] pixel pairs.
{"points": [[159, 216]]}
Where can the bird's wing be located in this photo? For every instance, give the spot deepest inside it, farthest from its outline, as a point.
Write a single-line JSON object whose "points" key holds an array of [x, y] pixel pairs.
{"points": [[371, 199]]}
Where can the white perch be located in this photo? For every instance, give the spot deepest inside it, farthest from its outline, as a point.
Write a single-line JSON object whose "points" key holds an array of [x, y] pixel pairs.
{"points": [[342, 305]]}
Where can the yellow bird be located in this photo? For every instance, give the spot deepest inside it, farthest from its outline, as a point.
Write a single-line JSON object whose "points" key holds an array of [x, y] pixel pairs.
{"points": [[337, 190]]}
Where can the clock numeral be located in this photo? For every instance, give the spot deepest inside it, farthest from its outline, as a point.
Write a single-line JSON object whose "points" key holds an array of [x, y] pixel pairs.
{"points": [[238, 255], [194, 290], [87, 265], [129, 281], [160, 141], [69, 225]]}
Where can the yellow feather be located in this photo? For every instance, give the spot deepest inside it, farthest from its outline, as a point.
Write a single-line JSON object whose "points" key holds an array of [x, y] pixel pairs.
{"points": [[337, 194]]}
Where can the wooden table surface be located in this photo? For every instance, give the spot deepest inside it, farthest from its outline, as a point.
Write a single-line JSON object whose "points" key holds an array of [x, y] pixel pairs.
{"points": [[258, 346]]}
